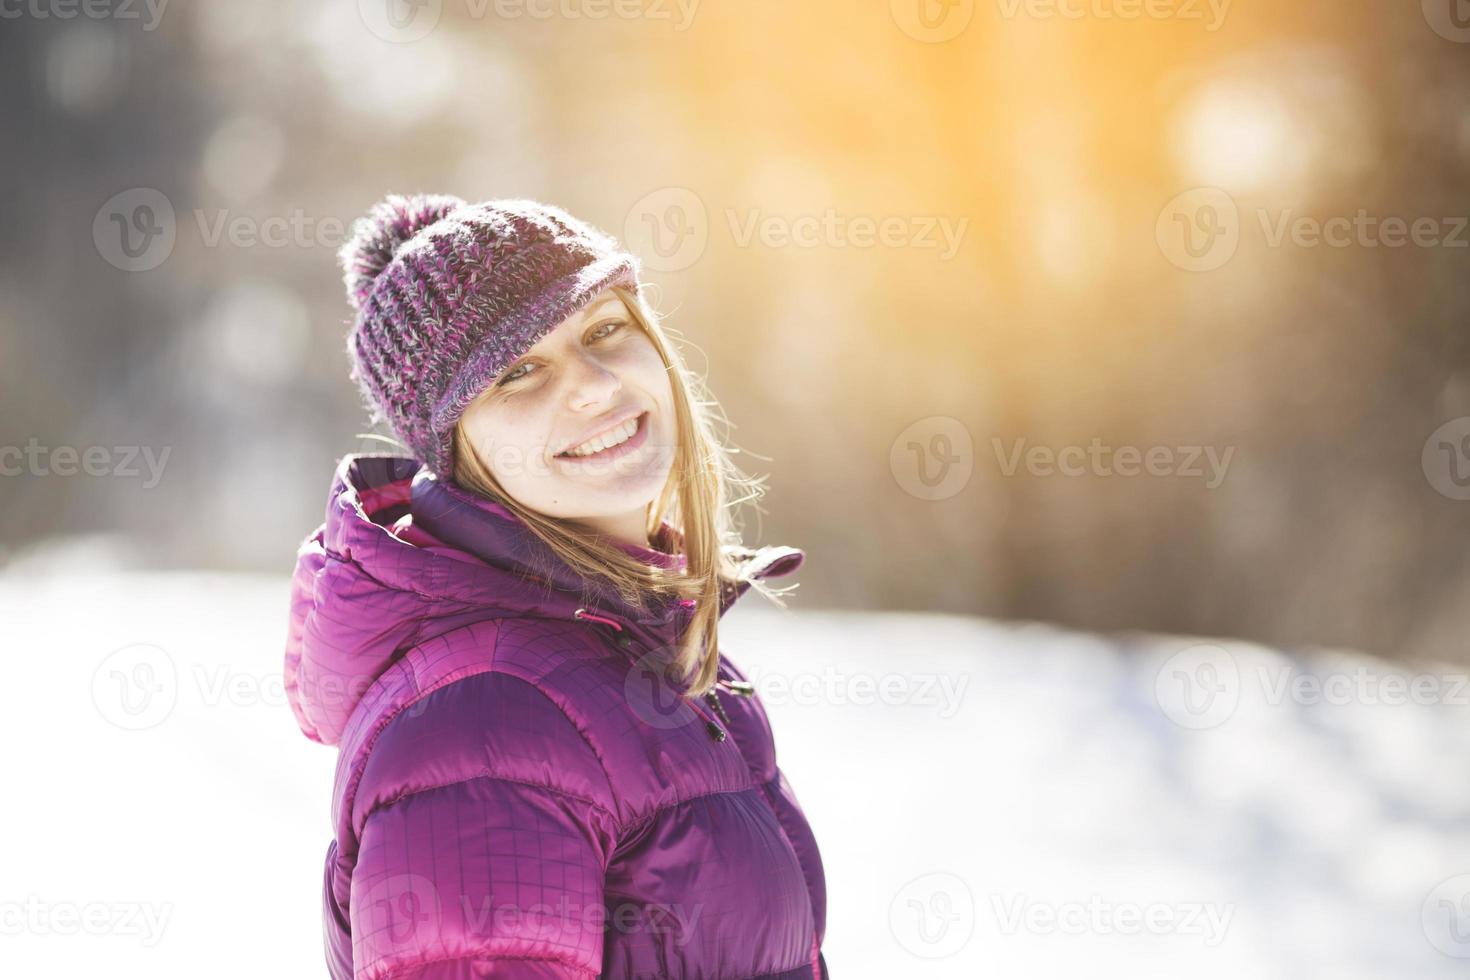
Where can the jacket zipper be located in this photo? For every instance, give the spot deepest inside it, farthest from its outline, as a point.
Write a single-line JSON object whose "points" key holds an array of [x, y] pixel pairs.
{"points": [[623, 640], [742, 689]]}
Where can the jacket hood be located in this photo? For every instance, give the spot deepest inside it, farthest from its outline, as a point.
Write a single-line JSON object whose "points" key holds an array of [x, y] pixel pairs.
{"points": [[403, 557]]}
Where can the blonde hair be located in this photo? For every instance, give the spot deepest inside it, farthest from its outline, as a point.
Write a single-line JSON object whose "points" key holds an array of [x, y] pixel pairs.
{"points": [[696, 501]]}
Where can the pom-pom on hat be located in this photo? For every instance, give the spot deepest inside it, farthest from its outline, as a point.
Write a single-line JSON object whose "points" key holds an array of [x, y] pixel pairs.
{"points": [[448, 294]]}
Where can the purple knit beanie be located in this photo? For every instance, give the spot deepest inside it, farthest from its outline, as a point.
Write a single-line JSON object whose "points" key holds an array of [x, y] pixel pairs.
{"points": [[448, 294]]}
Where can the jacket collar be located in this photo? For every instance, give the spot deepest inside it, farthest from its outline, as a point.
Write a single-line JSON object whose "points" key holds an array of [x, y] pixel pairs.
{"points": [[503, 542]]}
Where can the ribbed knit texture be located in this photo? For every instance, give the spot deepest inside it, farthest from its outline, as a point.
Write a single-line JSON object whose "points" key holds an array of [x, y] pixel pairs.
{"points": [[449, 294]]}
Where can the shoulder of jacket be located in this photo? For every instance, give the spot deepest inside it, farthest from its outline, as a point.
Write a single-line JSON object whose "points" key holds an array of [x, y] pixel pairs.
{"points": [[510, 698]]}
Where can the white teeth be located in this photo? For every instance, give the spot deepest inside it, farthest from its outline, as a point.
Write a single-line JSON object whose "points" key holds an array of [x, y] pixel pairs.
{"points": [[618, 436]]}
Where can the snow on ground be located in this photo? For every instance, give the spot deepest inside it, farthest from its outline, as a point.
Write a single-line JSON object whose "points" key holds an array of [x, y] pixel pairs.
{"points": [[992, 799]]}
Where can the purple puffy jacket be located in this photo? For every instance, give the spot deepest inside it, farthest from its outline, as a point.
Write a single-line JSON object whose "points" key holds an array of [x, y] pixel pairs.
{"points": [[514, 796]]}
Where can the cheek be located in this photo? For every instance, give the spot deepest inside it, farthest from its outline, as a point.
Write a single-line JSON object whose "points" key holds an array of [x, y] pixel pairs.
{"points": [[512, 437], [642, 365], [491, 428]]}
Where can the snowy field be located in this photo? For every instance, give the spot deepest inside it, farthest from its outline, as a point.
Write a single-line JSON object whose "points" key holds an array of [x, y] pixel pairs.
{"points": [[992, 799]]}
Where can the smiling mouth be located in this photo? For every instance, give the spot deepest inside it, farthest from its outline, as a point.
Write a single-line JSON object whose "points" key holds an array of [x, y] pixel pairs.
{"points": [[628, 445]]}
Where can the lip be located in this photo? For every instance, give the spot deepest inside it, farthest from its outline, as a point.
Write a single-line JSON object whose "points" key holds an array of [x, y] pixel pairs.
{"points": [[632, 444]]}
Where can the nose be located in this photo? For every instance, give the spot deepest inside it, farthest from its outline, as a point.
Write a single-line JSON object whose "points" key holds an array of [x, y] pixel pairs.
{"points": [[589, 383]]}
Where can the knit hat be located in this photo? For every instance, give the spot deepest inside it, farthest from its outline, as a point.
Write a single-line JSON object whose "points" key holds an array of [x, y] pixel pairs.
{"points": [[449, 294]]}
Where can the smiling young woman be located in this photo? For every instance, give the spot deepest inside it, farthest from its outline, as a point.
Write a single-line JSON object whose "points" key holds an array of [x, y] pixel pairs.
{"points": [[511, 632]]}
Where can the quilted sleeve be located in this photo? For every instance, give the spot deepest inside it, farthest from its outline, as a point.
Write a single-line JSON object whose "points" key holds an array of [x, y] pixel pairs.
{"points": [[484, 842]]}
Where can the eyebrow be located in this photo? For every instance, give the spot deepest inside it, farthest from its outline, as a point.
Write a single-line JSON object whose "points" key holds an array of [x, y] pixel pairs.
{"points": [[592, 310]]}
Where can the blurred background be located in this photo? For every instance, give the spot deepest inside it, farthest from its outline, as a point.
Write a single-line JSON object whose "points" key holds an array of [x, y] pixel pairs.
{"points": [[1138, 318]]}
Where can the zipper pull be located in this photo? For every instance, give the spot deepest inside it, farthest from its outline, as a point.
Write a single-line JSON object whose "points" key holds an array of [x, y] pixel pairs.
{"points": [[744, 689], [714, 702], [716, 732]]}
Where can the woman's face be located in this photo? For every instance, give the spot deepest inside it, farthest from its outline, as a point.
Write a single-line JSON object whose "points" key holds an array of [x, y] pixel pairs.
{"points": [[546, 427]]}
